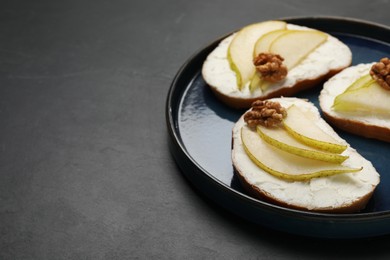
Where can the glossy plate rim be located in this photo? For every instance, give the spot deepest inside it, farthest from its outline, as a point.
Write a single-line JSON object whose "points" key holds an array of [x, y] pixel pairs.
{"points": [[312, 224]]}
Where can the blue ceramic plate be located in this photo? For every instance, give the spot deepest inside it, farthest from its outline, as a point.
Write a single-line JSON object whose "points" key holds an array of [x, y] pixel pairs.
{"points": [[200, 134]]}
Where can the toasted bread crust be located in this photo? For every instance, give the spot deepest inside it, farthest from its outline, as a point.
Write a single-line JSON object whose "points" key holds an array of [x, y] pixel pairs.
{"points": [[359, 128]]}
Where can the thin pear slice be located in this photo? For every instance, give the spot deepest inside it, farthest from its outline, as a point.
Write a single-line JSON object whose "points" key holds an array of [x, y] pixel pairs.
{"points": [[302, 128], [258, 82], [295, 45], [371, 99], [265, 41], [286, 165], [280, 138], [292, 45], [262, 45], [360, 82], [240, 51]]}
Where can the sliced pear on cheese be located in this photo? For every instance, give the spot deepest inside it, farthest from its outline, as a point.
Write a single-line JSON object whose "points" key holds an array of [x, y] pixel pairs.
{"points": [[264, 42], [292, 45], [295, 45], [262, 45], [360, 82], [371, 99], [281, 139], [301, 127], [285, 165], [240, 51], [256, 81]]}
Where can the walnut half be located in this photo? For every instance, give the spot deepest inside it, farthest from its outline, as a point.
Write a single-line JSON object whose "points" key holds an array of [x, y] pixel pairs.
{"points": [[380, 71], [270, 66], [266, 113]]}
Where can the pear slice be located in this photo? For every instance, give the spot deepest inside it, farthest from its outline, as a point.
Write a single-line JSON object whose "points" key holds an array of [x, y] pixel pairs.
{"points": [[256, 81], [265, 41], [371, 99], [295, 45], [281, 139], [301, 127], [240, 51], [292, 45], [360, 82], [262, 45], [286, 165]]}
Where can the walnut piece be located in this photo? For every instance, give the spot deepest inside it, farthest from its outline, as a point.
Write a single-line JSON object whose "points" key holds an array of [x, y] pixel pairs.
{"points": [[266, 113], [270, 66], [380, 71]]}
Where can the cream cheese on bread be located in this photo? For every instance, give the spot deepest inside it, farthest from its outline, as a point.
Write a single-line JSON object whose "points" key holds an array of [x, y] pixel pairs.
{"points": [[331, 55], [370, 126], [320, 194], [338, 84]]}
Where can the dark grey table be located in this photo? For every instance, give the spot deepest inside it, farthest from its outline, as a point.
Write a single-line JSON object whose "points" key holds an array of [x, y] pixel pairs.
{"points": [[85, 170]]}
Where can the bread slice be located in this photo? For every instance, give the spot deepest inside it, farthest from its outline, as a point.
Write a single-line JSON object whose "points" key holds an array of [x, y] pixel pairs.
{"points": [[325, 61], [368, 126], [342, 193]]}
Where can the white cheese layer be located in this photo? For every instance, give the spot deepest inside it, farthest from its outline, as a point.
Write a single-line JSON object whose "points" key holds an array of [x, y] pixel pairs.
{"points": [[318, 193], [338, 84], [333, 54]]}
